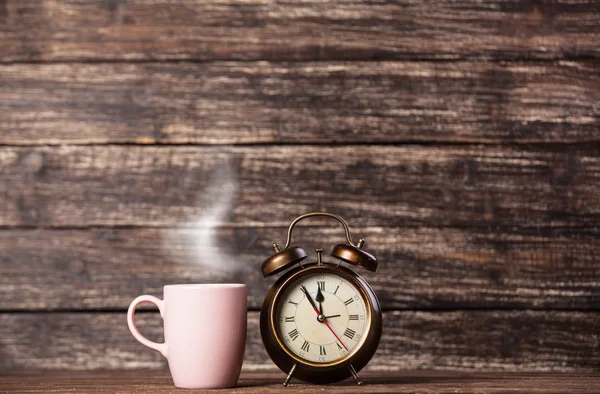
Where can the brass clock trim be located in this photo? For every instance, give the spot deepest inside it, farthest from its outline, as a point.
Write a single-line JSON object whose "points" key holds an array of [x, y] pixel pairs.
{"points": [[272, 317], [313, 214], [356, 256], [350, 252], [321, 372], [282, 260]]}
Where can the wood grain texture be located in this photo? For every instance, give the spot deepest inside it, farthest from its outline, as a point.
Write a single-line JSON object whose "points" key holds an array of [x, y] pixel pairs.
{"points": [[143, 381], [463, 340], [284, 30], [354, 102], [424, 268], [372, 110], [471, 186]]}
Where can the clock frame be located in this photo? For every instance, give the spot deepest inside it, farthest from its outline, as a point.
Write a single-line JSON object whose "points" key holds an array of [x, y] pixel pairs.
{"points": [[306, 370]]}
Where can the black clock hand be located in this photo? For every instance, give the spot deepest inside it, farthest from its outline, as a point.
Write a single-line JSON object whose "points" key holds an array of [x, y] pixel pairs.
{"points": [[321, 318], [309, 299], [327, 317], [319, 298]]}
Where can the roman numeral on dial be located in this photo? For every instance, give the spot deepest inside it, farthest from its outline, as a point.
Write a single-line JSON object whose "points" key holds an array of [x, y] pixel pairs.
{"points": [[351, 317], [322, 351], [338, 345], [289, 319], [295, 303], [349, 333], [349, 301], [293, 334], [306, 346], [322, 285]]}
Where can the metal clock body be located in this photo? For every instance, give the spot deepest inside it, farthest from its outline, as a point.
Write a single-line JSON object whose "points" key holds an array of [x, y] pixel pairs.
{"points": [[293, 334], [320, 322]]}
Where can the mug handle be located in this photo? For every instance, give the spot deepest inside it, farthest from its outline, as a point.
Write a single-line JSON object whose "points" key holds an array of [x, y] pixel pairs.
{"points": [[160, 347]]}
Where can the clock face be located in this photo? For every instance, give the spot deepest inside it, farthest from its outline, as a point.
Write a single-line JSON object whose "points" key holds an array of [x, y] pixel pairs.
{"points": [[330, 330]]}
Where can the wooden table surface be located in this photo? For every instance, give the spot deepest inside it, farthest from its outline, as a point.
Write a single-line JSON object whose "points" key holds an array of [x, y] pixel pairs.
{"points": [[252, 382]]}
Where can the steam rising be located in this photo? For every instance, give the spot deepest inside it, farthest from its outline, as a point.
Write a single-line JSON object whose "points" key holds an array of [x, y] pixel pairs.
{"points": [[196, 240]]}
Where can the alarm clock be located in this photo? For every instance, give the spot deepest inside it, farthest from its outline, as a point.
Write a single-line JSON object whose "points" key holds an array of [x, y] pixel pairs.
{"points": [[320, 322]]}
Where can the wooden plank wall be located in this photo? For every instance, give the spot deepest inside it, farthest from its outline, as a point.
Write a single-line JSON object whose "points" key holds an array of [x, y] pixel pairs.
{"points": [[152, 142]]}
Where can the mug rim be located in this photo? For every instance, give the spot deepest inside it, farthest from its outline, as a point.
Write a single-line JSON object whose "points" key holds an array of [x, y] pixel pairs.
{"points": [[192, 286]]}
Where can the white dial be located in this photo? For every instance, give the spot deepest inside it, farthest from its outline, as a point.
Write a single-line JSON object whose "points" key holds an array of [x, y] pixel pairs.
{"points": [[331, 329]]}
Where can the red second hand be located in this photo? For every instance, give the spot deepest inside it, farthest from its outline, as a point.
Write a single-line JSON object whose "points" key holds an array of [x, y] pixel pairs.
{"points": [[334, 334]]}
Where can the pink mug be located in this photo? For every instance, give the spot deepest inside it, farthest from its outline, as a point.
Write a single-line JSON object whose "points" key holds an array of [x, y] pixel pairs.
{"points": [[205, 332]]}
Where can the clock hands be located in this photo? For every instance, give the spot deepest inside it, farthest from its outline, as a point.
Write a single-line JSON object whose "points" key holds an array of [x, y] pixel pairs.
{"points": [[319, 298], [310, 300], [335, 335], [320, 317]]}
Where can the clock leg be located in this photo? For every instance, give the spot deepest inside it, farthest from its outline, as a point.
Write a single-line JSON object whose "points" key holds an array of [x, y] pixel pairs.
{"points": [[289, 377], [355, 375]]}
